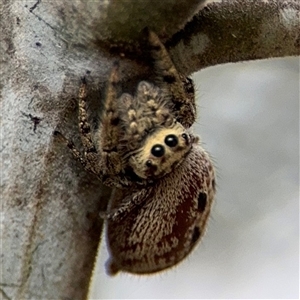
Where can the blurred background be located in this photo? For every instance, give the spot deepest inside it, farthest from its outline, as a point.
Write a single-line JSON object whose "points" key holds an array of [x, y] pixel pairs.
{"points": [[249, 123]]}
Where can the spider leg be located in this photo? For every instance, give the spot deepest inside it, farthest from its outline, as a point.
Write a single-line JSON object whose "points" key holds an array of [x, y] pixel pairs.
{"points": [[110, 119], [76, 153], [91, 158], [170, 80], [110, 132], [84, 126]]}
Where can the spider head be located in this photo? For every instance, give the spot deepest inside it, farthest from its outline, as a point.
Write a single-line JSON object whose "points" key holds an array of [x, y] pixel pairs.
{"points": [[162, 151]]}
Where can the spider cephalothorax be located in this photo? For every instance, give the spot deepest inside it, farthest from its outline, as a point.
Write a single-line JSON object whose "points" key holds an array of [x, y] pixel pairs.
{"points": [[136, 130], [164, 180], [151, 140]]}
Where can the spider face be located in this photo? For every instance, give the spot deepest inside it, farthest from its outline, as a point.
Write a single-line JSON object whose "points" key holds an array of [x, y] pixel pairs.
{"points": [[162, 151]]}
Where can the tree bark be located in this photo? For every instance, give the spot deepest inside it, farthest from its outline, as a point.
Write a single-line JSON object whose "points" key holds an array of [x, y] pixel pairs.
{"points": [[50, 229], [234, 31]]}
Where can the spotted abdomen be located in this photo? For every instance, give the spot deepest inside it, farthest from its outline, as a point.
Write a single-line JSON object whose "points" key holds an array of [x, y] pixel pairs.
{"points": [[167, 223]]}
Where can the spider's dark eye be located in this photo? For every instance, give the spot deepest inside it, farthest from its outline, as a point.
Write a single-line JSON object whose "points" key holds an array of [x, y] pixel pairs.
{"points": [[171, 140], [149, 163], [185, 136], [158, 150]]}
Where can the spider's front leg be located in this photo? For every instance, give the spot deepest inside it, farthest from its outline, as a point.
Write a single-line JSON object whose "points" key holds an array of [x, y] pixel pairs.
{"points": [[90, 158], [181, 88], [111, 161]]}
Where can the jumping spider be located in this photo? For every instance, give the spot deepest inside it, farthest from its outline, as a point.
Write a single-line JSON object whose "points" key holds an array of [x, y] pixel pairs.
{"points": [[164, 180]]}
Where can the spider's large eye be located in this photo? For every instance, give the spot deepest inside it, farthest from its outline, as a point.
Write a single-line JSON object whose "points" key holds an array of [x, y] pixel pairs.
{"points": [[171, 140], [158, 150], [185, 136]]}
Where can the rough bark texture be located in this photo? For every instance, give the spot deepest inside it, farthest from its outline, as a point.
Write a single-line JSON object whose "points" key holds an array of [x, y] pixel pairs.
{"points": [[50, 228]]}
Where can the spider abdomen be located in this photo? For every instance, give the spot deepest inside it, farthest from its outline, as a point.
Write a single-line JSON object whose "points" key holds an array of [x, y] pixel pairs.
{"points": [[168, 223]]}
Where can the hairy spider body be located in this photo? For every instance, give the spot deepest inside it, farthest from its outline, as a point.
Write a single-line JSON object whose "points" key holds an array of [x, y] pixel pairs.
{"points": [[146, 126], [164, 181], [155, 227]]}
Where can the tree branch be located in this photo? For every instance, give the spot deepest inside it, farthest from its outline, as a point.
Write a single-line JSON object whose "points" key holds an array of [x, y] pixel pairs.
{"points": [[234, 31]]}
